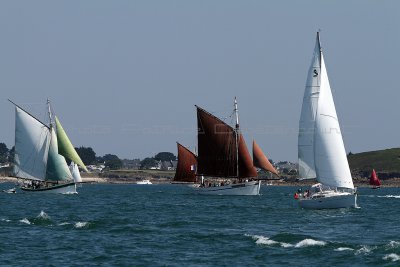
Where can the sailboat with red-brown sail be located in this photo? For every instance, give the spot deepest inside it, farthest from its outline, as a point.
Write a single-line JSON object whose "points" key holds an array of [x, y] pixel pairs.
{"points": [[186, 168], [374, 180], [223, 157]]}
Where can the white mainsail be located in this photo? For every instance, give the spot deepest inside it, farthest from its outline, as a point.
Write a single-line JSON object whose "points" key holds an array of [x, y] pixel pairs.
{"points": [[331, 163], [307, 118], [31, 146]]}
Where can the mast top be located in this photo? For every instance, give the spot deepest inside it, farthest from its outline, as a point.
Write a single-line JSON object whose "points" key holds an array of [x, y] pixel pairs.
{"points": [[49, 112], [236, 114]]}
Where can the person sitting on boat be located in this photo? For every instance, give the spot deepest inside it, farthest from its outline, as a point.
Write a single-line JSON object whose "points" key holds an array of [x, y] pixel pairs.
{"points": [[296, 195]]}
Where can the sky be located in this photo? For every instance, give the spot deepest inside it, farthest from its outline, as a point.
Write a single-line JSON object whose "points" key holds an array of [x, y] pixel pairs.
{"points": [[123, 76]]}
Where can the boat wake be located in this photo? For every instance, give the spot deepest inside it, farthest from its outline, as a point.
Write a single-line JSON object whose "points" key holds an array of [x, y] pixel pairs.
{"points": [[70, 193]]}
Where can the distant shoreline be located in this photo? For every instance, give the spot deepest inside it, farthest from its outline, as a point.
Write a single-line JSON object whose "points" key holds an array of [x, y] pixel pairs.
{"points": [[101, 180]]}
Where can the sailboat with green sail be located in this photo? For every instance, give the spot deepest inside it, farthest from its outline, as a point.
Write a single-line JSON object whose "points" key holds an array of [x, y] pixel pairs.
{"points": [[41, 151]]}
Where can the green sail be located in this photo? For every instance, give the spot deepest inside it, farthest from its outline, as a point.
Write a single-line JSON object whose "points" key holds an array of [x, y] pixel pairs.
{"points": [[57, 168], [66, 148]]}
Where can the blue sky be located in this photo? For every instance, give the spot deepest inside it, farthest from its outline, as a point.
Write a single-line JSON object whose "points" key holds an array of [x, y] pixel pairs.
{"points": [[124, 76]]}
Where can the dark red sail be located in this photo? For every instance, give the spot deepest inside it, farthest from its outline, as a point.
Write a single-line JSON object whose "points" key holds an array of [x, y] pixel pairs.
{"points": [[374, 180], [261, 161], [217, 154], [187, 163], [246, 168]]}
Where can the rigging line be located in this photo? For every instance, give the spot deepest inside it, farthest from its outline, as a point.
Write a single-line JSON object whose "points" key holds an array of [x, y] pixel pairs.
{"points": [[29, 113]]}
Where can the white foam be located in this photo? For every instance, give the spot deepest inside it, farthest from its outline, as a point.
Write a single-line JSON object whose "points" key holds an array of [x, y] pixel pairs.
{"points": [[262, 240], [5, 220], [286, 245], [64, 223], [364, 250], [309, 242], [393, 244], [343, 249], [392, 257], [70, 193], [390, 196], [80, 224], [25, 220], [43, 215]]}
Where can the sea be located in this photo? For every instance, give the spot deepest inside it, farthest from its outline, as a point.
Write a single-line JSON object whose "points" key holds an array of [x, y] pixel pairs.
{"points": [[170, 225]]}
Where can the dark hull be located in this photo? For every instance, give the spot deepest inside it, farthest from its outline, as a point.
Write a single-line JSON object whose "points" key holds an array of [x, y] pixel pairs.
{"points": [[58, 188]]}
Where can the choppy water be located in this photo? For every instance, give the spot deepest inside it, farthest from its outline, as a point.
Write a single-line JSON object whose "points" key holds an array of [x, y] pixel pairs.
{"points": [[167, 225]]}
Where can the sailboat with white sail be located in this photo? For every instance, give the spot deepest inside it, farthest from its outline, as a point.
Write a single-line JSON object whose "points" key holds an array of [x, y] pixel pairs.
{"points": [[223, 158], [321, 150], [41, 151]]}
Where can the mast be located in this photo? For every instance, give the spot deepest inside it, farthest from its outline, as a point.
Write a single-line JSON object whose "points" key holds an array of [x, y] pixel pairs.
{"points": [[237, 136], [320, 49], [49, 112]]}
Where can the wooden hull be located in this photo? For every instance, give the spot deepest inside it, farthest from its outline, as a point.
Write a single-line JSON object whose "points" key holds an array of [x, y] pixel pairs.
{"points": [[242, 189], [69, 188], [330, 201]]}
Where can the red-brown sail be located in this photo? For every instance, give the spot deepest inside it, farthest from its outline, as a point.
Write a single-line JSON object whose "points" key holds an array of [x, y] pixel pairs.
{"points": [[374, 180], [187, 162], [246, 168], [260, 160], [217, 154]]}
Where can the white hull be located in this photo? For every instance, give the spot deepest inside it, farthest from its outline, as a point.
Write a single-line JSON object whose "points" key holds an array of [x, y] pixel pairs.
{"points": [[242, 189], [58, 189], [329, 200], [144, 182]]}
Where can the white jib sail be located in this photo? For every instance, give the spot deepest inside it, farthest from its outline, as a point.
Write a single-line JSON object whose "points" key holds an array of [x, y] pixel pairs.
{"points": [[75, 172], [307, 118], [31, 146], [331, 162]]}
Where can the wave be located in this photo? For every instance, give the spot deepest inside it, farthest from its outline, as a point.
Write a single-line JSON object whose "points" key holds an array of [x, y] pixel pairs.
{"points": [[343, 249], [390, 196], [364, 250], [64, 223], [25, 220], [81, 224], [309, 242], [392, 257], [43, 215], [263, 240], [393, 244], [5, 220]]}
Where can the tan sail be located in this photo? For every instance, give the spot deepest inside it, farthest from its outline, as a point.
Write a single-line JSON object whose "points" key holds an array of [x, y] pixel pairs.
{"points": [[261, 161]]}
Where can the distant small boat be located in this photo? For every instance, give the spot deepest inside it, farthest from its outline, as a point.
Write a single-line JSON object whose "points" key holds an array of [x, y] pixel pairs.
{"points": [[146, 181], [374, 180]]}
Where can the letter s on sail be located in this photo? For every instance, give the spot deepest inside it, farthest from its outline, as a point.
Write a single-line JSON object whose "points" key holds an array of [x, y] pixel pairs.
{"points": [[315, 73]]}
